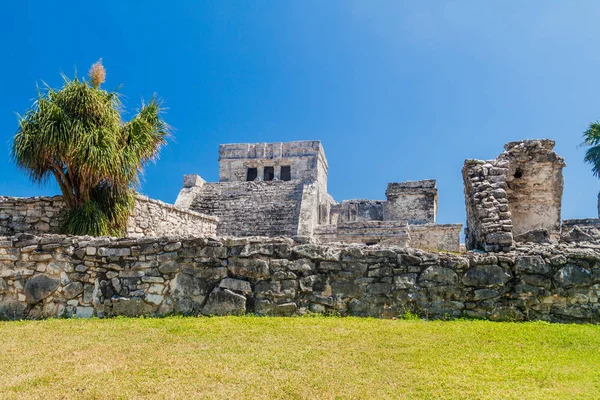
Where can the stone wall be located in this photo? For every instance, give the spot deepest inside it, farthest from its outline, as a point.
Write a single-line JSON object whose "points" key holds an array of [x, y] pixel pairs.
{"points": [[581, 230], [55, 276], [415, 202], [252, 208], [441, 237], [516, 197], [534, 186], [39, 215], [366, 232], [154, 218], [489, 225], [306, 160], [359, 210]]}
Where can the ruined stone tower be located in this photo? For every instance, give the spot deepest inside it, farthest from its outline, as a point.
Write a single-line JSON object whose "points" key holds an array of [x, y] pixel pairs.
{"points": [[516, 197]]}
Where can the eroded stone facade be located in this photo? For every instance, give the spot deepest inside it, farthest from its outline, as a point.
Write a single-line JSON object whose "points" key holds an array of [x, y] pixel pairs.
{"points": [[58, 276], [40, 215], [280, 189], [516, 197]]}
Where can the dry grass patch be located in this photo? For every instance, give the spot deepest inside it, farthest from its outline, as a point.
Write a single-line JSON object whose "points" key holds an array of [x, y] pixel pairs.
{"points": [[298, 358]]}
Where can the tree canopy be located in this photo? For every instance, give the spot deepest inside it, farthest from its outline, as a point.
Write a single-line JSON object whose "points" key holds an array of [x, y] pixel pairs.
{"points": [[591, 138], [76, 134]]}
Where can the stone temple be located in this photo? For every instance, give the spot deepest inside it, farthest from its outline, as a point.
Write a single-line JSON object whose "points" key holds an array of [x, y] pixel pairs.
{"points": [[280, 189]]}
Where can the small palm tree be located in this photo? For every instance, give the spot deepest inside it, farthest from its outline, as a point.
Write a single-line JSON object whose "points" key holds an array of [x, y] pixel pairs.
{"points": [[76, 134], [591, 138]]}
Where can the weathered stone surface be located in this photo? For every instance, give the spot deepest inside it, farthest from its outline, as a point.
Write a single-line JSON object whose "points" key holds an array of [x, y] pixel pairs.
{"points": [[501, 238], [149, 218], [405, 281], [249, 268], [483, 294], [73, 289], [236, 285], [188, 293], [130, 307], [84, 312], [531, 265], [516, 195], [438, 276], [486, 275], [224, 302], [573, 275], [11, 308], [557, 282], [39, 287], [3, 286]]}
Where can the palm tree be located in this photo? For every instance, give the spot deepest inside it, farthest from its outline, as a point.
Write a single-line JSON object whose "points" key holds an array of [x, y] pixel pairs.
{"points": [[592, 139], [76, 134]]}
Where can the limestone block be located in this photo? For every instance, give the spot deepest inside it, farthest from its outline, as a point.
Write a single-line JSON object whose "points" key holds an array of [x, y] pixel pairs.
{"points": [[236, 285], [486, 275], [39, 287], [438, 276], [224, 302]]}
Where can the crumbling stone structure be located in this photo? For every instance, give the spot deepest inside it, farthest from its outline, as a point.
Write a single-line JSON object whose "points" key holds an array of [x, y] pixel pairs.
{"points": [[356, 257], [58, 276], [516, 197], [280, 189], [40, 215]]}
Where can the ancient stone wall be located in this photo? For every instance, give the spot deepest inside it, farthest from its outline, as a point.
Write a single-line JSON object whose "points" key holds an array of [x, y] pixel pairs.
{"points": [[39, 215], [365, 231], [154, 218], [414, 202], [581, 230], [489, 223], [516, 197], [360, 210], [442, 237], [252, 208], [54, 276], [306, 160], [534, 186]]}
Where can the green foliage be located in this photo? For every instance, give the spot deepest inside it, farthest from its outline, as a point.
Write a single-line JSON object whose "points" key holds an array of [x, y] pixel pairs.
{"points": [[409, 316], [76, 135], [592, 139]]}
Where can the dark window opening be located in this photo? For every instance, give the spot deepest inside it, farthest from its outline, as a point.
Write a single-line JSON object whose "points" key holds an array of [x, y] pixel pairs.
{"points": [[518, 173], [286, 173], [269, 173], [252, 174]]}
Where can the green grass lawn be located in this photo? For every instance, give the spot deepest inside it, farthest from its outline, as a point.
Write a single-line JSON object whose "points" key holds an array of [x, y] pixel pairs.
{"points": [[304, 358]]}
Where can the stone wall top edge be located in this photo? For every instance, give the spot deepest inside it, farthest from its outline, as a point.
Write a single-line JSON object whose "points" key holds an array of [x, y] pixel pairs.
{"points": [[546, 143], [362, 201], [581, 221], [240, 150], [420, 184], [172, 207], [31, 199], [290, 183], [529, 250], [435, 226]]}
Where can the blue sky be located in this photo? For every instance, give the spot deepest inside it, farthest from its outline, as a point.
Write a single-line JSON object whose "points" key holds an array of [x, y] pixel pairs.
{"points": [[395, 90]]}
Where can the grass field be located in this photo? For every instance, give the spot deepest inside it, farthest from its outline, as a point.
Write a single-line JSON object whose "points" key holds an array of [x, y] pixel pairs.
{"points": [[305, 358]]}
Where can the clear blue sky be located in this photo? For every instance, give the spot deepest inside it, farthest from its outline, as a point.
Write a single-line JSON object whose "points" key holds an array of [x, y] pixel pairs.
{"points": [[395, 90]]}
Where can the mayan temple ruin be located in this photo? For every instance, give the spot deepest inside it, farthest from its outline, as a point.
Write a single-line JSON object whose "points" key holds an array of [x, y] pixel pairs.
{"points": [[280, 189], [268, 238]]}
